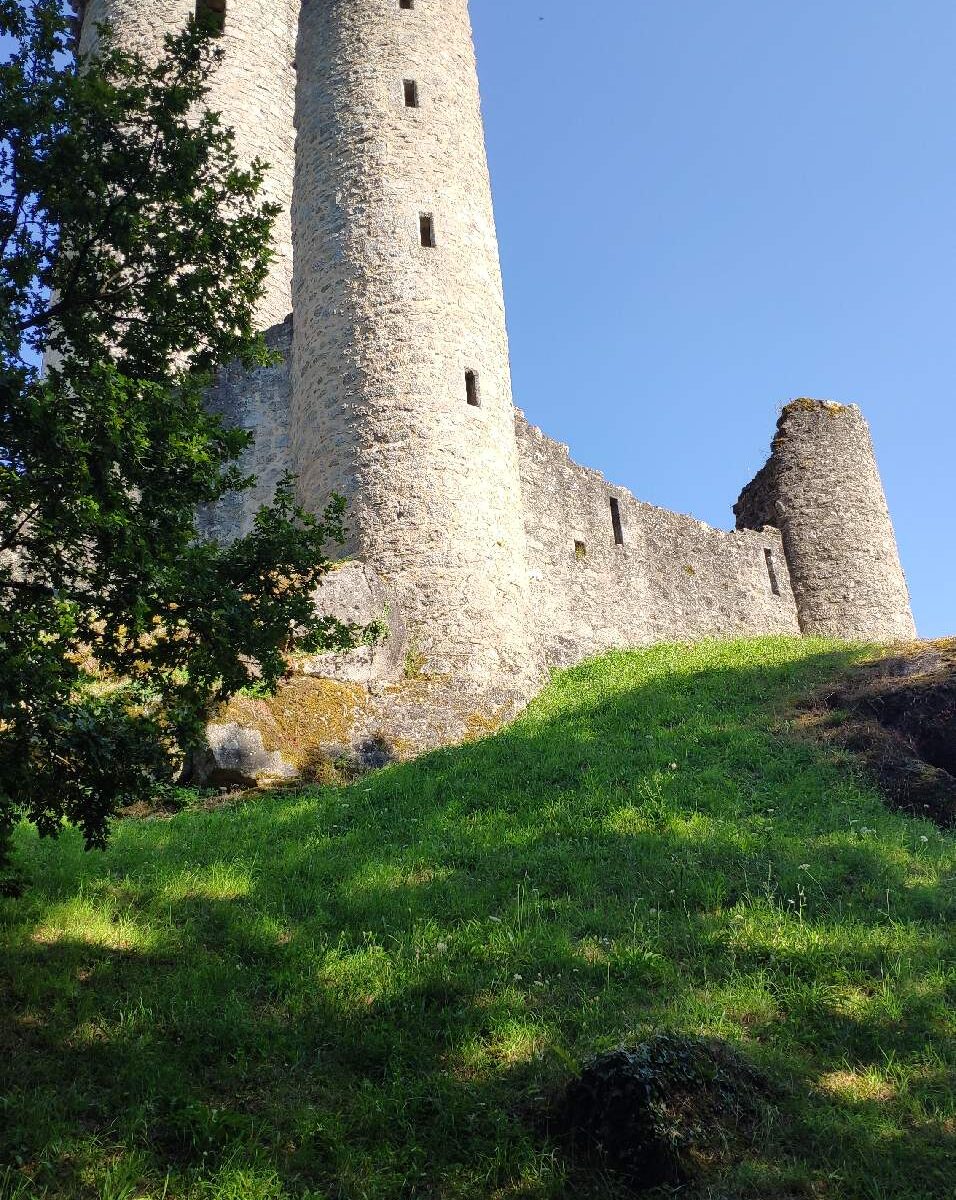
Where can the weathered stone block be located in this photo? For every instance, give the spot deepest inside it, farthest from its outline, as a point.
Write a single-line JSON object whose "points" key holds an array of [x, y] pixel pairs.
{"points": [[237, 757], [354, 594]]}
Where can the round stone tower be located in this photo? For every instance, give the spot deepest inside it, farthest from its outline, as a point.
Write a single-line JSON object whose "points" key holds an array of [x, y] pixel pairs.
{"points": [[254, 89], [822, 489], [401, 380]]}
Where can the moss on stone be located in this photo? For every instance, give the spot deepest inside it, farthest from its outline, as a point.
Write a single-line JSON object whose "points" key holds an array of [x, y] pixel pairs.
{"points": [[305, 714], [480, 725], [806, 404]]}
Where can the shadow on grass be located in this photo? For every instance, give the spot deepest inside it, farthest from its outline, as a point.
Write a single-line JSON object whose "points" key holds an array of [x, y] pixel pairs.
{"points": [[372, 991]]}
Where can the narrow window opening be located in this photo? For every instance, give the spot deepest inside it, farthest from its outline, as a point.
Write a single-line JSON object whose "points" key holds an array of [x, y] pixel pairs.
{"points": [[211, 14], [411, 93], [616, 522], [471, 389], [580, 551], [772, 572], [406, 3], [427, 226]]}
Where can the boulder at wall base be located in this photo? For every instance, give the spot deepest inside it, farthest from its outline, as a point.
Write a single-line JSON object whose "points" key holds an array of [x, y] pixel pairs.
{"points": [[656, 1114], [236, 757]]}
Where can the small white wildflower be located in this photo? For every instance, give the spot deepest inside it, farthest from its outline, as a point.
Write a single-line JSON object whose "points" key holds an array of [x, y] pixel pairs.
{"points": [[924, 839], [441, 947], [517, 979], [804, 866], [673, 766]]}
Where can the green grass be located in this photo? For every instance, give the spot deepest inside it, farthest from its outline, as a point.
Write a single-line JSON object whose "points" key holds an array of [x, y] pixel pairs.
{"points": [[369, 992]]}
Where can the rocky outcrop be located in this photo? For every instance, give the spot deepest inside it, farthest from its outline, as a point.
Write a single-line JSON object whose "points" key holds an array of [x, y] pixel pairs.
{"points": [[898, 714]]}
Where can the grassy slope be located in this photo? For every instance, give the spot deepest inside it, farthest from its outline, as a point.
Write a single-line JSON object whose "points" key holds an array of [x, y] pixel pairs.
{"points": [[362, 993]]}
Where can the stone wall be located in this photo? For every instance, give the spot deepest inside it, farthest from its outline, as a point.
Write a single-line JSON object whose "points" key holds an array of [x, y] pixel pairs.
{"points": [[254, 89], [822, 489], [672, 578], [386, 327], [257, 401]]}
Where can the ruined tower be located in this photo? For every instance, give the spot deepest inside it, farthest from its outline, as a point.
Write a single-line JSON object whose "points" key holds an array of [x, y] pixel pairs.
{"points": [[822, 489], [401, 378]]}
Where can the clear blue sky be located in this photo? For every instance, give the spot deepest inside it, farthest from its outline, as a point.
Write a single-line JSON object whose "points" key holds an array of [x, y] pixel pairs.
{"points": [[708, 207]]}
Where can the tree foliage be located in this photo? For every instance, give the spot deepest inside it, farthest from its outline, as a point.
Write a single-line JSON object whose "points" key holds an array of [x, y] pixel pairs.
{"points": [[133, 248]]}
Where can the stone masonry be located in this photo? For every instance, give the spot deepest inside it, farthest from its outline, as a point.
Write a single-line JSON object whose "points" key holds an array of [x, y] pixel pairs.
{"points": [[398, 303], [488, 547], [254, 90], [822, 489]]}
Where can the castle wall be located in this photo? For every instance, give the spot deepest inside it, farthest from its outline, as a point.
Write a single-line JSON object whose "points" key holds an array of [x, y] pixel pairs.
{"points": [[254, 89], [258, 401], [386, 327], [673, 578], [497, 551], [822, 489]]}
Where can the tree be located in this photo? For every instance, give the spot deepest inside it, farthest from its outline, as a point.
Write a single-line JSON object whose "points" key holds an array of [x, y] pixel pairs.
{"points": [[133, 249]]}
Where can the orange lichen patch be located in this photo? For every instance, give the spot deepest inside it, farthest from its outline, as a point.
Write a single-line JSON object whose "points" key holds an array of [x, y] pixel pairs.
{"points": [[404, 749], [419, 687], [304, 714], [806, 404], [480, 725]]}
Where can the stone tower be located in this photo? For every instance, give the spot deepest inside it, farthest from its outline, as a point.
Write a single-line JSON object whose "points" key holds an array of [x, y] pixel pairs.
{"points": [[822, 489], [399, 393], [401, 379], [254, 89]]}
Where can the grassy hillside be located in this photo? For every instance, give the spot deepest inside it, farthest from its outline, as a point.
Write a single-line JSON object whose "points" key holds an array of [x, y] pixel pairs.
{"points": [[367, 993]]}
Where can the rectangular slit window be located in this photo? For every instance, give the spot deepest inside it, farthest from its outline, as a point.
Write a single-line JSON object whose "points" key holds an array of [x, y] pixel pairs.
{"points": [[772, 572], [406, 3], [616, 522], [427, 228], [411, 93], [471, 389], [580, 551], [211, 14]]}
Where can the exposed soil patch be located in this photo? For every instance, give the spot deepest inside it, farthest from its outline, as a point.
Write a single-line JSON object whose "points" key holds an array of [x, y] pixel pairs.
{"points": [[899, 714]]}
